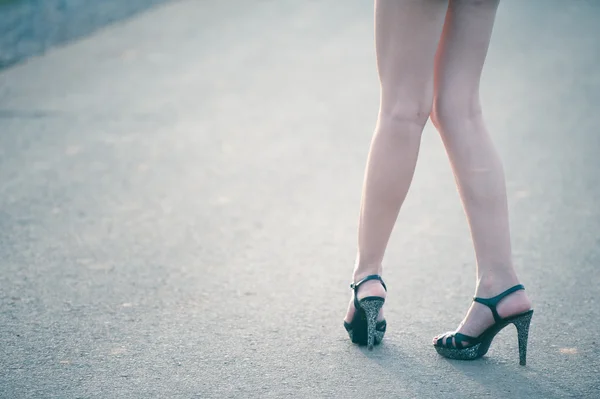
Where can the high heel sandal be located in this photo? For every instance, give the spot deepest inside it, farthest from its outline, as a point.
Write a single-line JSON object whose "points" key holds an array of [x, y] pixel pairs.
{"points": [[364, 329], [478, 346]]}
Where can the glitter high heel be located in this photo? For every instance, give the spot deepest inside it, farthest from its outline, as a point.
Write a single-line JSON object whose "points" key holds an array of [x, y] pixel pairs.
{"points": [[450, 344], [364, 329]]}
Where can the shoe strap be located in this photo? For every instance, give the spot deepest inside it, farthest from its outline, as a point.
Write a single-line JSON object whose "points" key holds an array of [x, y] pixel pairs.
{"points": [[355, 286], [493, 302], [460, 338]]}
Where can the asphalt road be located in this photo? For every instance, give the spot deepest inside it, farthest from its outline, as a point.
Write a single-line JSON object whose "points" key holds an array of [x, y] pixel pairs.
{"points": [[179, 198]]}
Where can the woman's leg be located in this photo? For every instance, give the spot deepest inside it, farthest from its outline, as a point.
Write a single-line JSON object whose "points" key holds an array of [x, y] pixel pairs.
{"points": [[475, 162], [406, 37]]}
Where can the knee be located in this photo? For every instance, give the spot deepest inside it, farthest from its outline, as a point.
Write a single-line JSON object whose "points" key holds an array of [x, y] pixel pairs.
{"points": [[407, 114], [452, 107]]}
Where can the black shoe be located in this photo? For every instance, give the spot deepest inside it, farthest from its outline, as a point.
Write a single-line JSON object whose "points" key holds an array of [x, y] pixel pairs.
{"points": [[364, 329], [450, 345]]}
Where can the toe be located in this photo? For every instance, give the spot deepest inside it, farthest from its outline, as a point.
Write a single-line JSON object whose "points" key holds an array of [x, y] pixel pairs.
{"points": [[442, 339], [439, 340]]}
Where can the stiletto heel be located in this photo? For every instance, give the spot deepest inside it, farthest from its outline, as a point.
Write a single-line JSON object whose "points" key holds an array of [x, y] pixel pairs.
{"points": [[364, 329], [371, 307], [451, 345], [522, 325]]}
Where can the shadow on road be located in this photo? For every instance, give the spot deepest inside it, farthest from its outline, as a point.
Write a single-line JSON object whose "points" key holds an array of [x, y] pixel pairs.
{"points": [[498, 377]]}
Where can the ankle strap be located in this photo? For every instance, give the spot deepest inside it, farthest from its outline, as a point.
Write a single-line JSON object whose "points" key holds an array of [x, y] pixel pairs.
{"points": [[493, 302], [355, 286]]}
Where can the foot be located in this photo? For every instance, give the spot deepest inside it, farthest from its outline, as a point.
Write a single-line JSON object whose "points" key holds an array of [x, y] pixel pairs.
{"points": [[368, 288], [479, 317]]}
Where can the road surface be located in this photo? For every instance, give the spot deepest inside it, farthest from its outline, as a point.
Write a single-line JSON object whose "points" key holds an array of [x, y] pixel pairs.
{"points": [[179, 198]]}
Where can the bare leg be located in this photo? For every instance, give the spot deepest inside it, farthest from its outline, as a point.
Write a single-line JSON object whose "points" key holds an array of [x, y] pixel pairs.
{"points": [[406, 37], [475, 162]]}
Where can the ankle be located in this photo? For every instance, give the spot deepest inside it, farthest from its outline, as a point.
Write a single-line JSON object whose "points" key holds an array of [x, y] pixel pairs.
{"points": [[362, 270], [490, 285]]}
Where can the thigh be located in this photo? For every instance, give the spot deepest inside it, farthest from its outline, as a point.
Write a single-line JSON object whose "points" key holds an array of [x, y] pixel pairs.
{"points": [[407, 33], [462, 51]]}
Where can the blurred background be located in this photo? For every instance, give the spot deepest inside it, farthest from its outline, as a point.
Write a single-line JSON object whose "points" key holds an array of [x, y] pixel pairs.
{"points": [[30, 27], [179, 192]]}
